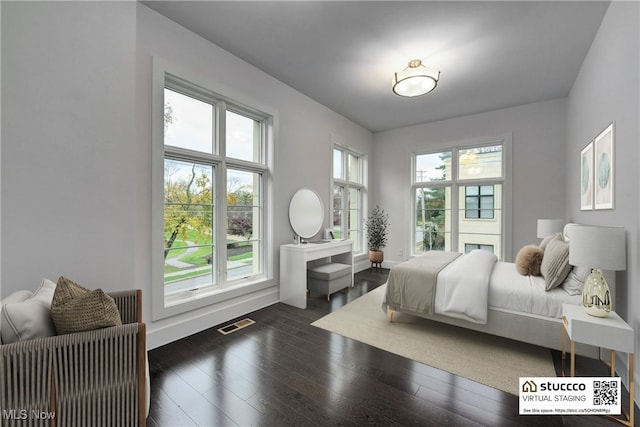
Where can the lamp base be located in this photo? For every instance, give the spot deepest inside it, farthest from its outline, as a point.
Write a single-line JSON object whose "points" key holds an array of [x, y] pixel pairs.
{"points": [[596, 312], [596, 297]]}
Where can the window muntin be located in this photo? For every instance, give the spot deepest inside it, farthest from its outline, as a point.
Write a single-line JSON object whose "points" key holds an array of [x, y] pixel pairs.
{"points": [[467, 180]]}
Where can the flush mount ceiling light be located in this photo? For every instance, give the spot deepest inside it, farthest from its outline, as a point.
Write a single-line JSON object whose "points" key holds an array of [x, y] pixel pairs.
{"points": [[415, 80]]}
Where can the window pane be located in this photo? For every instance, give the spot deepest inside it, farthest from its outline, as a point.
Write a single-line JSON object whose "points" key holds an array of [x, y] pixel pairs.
{"points": [[481, 162], [481, 225], [433, 167], [433, 219], [337, 164], [244, 230], [355, 218], [353, 168], [243, 140], [188, 122], [338, 210], [188, 225]]}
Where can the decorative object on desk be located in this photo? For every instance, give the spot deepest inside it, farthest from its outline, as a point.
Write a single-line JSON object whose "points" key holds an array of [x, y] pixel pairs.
{"points": [[377, 224], [597, 248], [306, 213], [586, 177], [604, 169]]}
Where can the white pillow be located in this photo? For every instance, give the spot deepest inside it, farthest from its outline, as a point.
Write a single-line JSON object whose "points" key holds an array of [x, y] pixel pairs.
{"points": [[28, 319], [575, 280], [17, 296]]}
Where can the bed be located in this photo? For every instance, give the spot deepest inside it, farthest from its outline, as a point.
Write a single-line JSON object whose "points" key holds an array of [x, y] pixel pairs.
{"points": [[476, 291]]}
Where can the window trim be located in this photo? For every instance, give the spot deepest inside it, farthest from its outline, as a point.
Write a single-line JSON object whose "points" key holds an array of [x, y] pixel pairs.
{"points": [[454, 183], [163, 72]]}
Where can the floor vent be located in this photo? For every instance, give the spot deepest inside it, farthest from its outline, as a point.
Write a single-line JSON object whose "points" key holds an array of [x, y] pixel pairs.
{"points": [[226, 330]]}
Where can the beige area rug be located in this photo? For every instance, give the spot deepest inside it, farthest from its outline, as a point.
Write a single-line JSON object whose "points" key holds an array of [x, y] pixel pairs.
{"points": [[487, 359]]}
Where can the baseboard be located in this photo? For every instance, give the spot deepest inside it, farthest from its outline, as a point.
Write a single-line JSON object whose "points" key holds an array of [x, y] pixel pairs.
{"points": [[218, 314]]}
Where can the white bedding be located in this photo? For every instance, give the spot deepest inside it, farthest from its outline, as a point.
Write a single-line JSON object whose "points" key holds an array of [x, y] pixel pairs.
{"points": [[507, 290], [462, 287], [511, 291]]}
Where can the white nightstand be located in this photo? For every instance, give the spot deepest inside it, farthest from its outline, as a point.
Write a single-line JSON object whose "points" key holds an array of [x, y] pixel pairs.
{"points": [[610, 332]]}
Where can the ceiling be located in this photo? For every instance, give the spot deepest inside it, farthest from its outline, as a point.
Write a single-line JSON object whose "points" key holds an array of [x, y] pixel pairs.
{"points": [[491, 55]]}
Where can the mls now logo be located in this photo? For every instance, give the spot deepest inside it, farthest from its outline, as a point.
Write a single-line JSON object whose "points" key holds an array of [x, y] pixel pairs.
{"points": [[529, 387]]}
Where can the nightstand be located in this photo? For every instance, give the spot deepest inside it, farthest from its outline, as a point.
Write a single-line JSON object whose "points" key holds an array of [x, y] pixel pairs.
{"points": [[610, 332]]}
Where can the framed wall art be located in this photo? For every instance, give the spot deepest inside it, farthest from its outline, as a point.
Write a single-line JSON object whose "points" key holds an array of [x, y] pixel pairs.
{"points": [[586, 177], [603, 151]]}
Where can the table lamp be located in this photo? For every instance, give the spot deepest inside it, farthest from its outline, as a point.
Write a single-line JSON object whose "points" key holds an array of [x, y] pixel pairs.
{"points": [[547, 227], [598, 248]]}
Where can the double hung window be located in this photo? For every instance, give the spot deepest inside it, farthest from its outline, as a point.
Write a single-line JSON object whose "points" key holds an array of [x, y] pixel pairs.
{"points": [[214, 205]]}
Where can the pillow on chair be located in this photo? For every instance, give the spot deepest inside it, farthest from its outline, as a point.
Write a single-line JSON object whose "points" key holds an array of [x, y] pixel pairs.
{"points": [[77, 309], [26, 316], [529, 259]]}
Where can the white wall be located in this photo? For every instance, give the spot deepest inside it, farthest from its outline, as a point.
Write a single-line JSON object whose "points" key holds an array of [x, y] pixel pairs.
{"points": [[538, 172], [607, 90], [76, 189]]}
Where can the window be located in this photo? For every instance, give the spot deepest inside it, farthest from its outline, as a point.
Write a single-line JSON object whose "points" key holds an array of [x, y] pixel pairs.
{"points": [[214, 204], [348, 196], [479, 201], [470, 180]]}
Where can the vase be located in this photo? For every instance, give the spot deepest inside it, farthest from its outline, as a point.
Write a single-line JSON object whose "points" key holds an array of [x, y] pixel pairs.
{"points": [[596, 297]]}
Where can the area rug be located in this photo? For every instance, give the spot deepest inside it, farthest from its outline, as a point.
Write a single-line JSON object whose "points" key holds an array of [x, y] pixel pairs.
{"points": [[487, 359]]}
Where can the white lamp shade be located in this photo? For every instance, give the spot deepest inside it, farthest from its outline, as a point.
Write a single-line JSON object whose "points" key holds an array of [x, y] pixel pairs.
{"points": [[598, 247], [547, 227]]}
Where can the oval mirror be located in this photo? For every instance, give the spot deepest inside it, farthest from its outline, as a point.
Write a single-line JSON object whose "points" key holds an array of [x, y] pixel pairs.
{"points": [[306, 213]]}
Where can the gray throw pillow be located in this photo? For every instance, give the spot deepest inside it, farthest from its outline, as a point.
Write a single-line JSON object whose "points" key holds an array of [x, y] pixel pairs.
{"points": [[555, 265]]}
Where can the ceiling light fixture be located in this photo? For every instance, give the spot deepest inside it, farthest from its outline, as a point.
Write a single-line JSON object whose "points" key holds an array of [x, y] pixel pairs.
{"points": [[415, 80]]}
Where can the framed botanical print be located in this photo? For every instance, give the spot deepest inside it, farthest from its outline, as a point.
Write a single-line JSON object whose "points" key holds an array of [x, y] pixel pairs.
{"points": [[603, 148], [586, 177]]}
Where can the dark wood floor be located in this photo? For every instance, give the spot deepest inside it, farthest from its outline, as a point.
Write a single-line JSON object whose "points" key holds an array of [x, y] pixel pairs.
{"points": [[282, 371]]}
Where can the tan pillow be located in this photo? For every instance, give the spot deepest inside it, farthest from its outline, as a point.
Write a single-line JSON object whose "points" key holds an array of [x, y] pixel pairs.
{"points": [[547, 239], [77, 309], [555, 265], [529, 259]]}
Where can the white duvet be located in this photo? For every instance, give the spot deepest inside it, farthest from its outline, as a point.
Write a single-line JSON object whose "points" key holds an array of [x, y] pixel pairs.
{"points": [[462, 288]]}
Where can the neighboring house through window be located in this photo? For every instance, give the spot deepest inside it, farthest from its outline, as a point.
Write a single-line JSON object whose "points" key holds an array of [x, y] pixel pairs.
{"points": [[459, 197]]}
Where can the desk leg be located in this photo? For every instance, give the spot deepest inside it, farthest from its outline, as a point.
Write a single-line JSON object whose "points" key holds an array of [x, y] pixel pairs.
{"points": [[564, 352], [631, 390], [613, 363], [573, 358]]}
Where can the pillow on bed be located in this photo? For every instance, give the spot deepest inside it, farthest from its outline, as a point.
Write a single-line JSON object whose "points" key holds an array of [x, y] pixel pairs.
{"points": [[547, 239], [529, 259], [575, 280], [555, 265]]}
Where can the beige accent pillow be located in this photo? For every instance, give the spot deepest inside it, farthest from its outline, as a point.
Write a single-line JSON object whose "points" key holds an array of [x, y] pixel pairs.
{"points": [[76, 309], [547, 239], [27, 316], [555, 265], [529, 259]]}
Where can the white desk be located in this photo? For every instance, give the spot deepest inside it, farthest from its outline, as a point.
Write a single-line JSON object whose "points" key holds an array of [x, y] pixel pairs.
{"points": [[293, 266]]}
